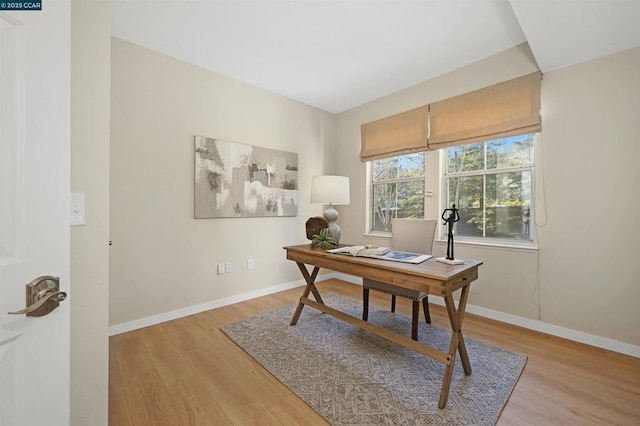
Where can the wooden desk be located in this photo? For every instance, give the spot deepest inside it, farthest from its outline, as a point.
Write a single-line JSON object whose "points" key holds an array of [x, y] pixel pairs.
{"points": [[430, 276]]}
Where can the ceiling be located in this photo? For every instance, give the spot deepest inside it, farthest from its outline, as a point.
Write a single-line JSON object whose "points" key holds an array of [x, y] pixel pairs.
{"points": [[336, 55]]}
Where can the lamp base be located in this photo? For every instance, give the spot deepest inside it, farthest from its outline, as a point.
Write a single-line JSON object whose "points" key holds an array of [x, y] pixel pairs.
{"points": [[331, 215], [450, 261]]}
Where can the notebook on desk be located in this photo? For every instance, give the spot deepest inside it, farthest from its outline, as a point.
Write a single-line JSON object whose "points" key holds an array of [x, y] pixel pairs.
{"points": [[383, 253]]}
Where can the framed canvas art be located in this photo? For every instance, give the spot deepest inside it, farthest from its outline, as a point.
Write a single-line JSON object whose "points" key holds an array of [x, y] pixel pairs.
{"points": [[238, 180]]}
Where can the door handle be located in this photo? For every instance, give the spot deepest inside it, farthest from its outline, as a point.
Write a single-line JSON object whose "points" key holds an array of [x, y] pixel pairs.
{"points": [[43, 296]]}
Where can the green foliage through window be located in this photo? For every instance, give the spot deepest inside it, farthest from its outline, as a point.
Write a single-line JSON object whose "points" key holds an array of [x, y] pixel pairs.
{"points": [[397, 188], [492, 184]]}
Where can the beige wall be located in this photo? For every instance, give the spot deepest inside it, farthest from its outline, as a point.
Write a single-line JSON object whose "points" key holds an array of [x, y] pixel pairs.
{"points": [[588, 270], [591, 124], [90, 72], [162, 259]]}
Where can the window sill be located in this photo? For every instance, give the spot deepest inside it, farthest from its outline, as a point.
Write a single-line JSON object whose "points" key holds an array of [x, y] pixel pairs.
{"points": [[377, 234], [497, 245], [525, 246]]}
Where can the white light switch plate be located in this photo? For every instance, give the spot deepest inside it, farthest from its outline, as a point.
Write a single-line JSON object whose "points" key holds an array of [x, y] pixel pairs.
{"points": [[77, 208]]}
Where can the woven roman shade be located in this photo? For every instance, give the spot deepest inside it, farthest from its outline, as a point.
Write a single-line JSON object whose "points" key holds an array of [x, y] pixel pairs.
{"points": [[399, 134], [505, 109]]}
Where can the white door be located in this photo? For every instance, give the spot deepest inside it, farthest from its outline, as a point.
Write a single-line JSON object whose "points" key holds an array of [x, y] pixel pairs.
{"points": [[34, 210]]}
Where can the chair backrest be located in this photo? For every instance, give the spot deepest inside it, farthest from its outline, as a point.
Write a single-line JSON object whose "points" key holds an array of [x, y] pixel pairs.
{"points": [[413, 235]]}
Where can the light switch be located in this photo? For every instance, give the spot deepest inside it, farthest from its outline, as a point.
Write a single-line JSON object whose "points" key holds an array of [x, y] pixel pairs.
{"points": [[77, 208]]}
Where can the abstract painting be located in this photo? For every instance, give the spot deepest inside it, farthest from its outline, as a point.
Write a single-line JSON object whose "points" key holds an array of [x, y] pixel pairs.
{"points": [[238, 180]]}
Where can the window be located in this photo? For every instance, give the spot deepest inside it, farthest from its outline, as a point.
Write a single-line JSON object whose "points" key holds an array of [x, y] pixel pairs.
{"points": [[397, 189], [491, 183]]}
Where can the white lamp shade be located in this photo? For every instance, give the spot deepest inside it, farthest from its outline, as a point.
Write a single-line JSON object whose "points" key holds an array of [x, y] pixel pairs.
{"points": [[330, 190]]}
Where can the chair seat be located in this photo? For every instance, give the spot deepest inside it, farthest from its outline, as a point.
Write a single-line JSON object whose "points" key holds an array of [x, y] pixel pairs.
{"points": [[412, 235], [392, 289]]}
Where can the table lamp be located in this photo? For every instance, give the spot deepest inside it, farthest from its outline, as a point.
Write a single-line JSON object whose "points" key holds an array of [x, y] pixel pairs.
{"points": [[332, 190]]}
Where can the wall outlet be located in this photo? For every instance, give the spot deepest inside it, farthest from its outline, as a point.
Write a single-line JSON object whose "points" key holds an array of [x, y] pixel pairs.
{"points": [[228, 268], [250, 263], [220, 268]]}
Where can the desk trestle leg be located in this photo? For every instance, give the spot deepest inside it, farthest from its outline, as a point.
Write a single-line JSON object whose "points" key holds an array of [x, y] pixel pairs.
{"points": [[311, 287], [457, 342]]}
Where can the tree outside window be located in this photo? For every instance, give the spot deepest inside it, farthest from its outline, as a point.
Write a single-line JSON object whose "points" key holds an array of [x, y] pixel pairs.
{"points": [[397, 188], [491, 183]]}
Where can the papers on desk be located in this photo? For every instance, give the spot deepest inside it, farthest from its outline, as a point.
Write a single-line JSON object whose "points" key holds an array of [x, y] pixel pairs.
{"points": [[383, 253], [361, 250]]}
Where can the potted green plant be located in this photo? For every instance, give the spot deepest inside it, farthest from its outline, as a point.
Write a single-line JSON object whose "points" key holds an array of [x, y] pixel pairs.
{"points": [[323, 239]]}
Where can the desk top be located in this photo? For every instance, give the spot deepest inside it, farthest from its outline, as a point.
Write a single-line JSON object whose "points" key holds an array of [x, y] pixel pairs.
{"points": [[429, 276]]}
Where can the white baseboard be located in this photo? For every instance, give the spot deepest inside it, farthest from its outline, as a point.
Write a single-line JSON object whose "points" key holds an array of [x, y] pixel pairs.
{"points": [[190, 310], [554, 330], [543, 327]]}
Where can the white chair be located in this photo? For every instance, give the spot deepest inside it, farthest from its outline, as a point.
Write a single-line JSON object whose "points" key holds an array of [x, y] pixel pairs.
{"points": [[412, 235]]}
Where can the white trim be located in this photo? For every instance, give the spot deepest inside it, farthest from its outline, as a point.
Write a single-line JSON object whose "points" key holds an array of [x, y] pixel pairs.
{"points": [[554, 330], [542, 327], [213, 304], [494, 244]]}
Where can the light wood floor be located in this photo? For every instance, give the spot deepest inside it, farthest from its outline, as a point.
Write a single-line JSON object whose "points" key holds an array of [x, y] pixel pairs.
{"points": [[187, 372]]}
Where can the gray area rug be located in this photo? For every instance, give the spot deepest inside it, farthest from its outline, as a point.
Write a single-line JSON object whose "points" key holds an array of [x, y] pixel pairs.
{"points": [[353, 377]]}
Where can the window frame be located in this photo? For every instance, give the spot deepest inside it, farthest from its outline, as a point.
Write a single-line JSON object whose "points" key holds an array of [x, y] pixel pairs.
{"points": [[435, 200], [370, 211], [490, 241]]}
